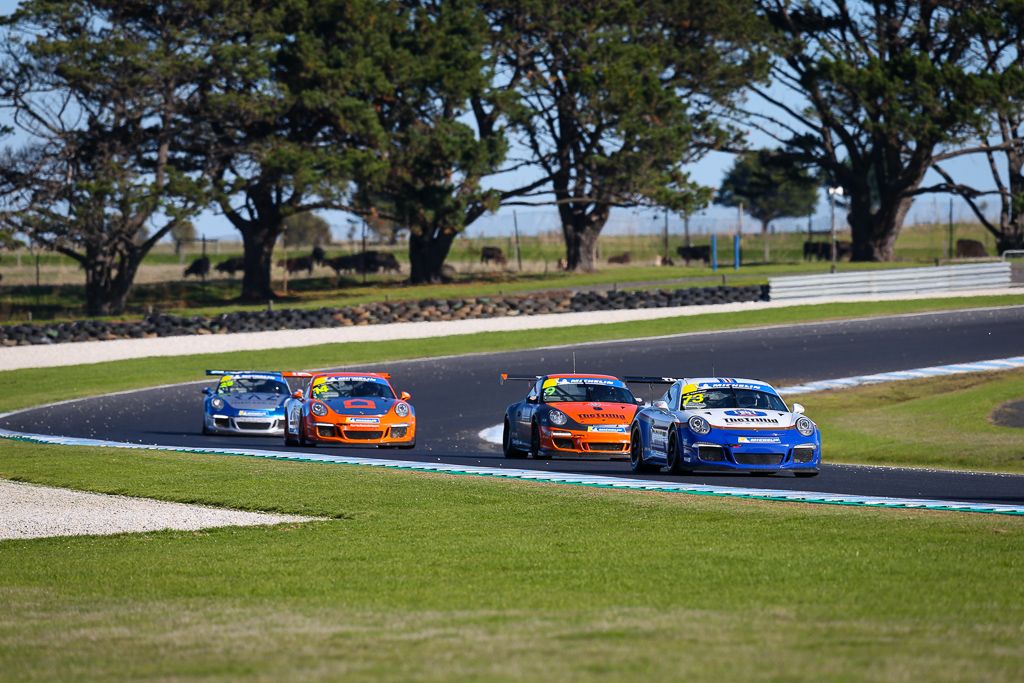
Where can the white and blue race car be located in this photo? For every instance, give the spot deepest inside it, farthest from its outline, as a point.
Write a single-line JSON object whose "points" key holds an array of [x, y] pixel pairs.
{"points": [[722, 423], [245, 402]]}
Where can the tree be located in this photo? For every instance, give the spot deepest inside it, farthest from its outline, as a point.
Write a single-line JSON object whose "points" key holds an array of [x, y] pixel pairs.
{"points": [[307, 229], [619, 96], [287, 120], [876, 93], [97, 87], [184, 231], [769, 185], [1005, 128], [442, 117]]}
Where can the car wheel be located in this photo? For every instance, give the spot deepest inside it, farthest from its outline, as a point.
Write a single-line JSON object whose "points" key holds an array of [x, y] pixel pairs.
{"points": [[206, 430], [636, 454], [805, 473], [303, 441], [674, 458], [506, 443], [290, 440], [535, 444]]}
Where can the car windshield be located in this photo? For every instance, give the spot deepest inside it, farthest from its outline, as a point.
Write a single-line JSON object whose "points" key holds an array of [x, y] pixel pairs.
{"points": [[326, 388], [591, 393], [731, 398], [251, 385]]}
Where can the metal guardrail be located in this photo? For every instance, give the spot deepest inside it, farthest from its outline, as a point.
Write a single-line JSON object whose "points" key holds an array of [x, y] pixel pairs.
{"points": [[903, 280]]}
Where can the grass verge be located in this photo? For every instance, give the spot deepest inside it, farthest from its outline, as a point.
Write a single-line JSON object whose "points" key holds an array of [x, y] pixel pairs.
{"points": [[940, 422], [36, 386], [422, 577]]}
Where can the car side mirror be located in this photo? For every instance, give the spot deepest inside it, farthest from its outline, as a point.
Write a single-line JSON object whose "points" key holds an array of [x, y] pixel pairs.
{"points": [[798, 409], [297, 394], [639, 401], [532, 398], [660, 405], [208, 391], [405, 395]]}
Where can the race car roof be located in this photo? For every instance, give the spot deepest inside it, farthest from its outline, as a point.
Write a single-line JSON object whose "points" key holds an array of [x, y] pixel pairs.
{"points": [[727, 383], [368, 375]]}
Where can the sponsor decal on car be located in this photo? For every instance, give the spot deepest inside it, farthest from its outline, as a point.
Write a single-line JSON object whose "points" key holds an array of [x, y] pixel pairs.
{"points": [[583, 380], [759, 439], [364, 420], [614, 429], [746, 413], [252, 413], [598, 416]]}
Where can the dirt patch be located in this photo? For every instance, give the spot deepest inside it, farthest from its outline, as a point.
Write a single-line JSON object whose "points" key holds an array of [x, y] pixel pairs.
{"points": [[1009, 414]]}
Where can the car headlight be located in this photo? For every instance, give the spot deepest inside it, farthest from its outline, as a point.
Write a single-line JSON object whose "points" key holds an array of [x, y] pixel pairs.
{"points": [[805, 426], [216, 403], [401, 409], [557, 417], [318, 409], [698, 425]]}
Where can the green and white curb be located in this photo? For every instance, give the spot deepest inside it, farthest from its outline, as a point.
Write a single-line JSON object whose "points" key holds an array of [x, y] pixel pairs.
{"points": [[564, 478]]}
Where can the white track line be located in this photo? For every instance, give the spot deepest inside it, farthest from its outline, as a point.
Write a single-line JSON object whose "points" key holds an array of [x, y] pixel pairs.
{"points": [[554, 477]]}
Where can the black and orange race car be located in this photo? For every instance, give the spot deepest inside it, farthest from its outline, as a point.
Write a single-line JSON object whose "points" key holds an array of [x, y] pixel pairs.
{"points": [[571, 414], [350, 409]]}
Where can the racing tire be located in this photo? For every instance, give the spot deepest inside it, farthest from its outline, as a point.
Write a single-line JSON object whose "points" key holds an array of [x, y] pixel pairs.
{"points": [[303, 441], [805, 473], [673, 462], [636, 455], [535, 444], [289, 440], [507, 448]]}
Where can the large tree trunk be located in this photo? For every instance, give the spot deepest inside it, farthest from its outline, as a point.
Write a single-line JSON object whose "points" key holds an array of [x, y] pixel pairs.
{"points": [[874, 232], [428, 249], [258, 242], [581, 230], [108, 282]]}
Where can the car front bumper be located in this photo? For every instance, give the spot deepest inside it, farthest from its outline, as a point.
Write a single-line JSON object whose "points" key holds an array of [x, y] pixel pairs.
{"points": [[582, 443], [268, 425]]}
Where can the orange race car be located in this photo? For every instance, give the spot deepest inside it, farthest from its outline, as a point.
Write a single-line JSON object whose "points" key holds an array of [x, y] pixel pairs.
{"points": [[350, 409], [573, 414]]}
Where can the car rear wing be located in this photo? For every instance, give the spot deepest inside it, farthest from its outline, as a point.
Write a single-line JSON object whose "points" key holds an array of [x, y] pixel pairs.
{"points": [[505, 377], [634, 379], [296, 373]]}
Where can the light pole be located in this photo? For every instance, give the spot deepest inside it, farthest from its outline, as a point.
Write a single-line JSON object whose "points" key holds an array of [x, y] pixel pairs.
{"points": [[832, 192]]}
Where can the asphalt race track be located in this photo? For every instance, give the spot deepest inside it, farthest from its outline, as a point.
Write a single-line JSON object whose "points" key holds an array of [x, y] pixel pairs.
{"points": [[457, 397]]}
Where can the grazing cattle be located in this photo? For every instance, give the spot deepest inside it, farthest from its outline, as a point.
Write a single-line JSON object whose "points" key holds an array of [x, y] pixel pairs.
{"points": [[231, 266], [295, 265], [318, 255], [493, 255], [200, 268], [970, 249], [384, 261], [822, 251], [695, 253], [663, 261], [621, 259], [365, 262]]}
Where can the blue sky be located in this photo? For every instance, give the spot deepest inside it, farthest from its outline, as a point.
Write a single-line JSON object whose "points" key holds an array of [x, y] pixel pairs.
{"points": [[709, 171]]}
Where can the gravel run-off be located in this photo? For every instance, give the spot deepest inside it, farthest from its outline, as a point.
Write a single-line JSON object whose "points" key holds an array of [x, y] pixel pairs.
{"points": [[31, 511]]}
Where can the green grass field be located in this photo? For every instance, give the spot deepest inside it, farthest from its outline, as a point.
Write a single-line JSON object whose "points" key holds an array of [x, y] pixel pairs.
{"points": [[427, 577], [423, 577], [943, 422]]}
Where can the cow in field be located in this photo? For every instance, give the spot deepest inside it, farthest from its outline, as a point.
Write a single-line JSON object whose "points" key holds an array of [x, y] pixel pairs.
{"points": [[694, 253], [493, 255], [384, 261], [297, 265], [970, 249], [231, 266], [200, 268], [621, 259]]}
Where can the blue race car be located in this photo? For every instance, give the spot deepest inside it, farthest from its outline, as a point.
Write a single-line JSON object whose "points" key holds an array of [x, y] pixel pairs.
{"points": [[245, 402], [722, 423]]}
